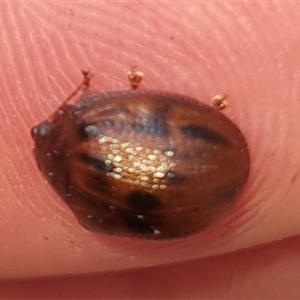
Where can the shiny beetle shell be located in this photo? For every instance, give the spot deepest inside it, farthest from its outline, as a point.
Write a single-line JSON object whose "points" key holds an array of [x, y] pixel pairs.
{"points": [[145, 164]]}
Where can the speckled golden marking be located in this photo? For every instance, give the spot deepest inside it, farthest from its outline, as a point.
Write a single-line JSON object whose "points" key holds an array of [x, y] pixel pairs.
{"points": [[136, 165]]}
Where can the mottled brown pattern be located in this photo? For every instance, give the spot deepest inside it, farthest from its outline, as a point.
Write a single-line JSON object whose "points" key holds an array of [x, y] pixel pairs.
{"points": [[143, 163]]}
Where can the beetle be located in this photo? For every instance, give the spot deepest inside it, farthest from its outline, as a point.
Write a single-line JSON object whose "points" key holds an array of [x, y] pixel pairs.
{"points": [[142, 163]]}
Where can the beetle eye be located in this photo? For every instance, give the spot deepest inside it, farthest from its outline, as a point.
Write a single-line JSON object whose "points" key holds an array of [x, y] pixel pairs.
{"points": [[42, 130]]}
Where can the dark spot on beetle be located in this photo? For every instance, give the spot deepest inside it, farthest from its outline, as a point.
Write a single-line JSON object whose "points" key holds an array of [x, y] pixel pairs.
{"points": [[142, 224], [201, 132], [95, 163], [142, 200], [155, 126]]}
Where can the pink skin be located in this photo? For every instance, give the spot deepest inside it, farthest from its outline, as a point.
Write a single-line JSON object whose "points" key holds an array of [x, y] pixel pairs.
{"points": [[248, 51]]}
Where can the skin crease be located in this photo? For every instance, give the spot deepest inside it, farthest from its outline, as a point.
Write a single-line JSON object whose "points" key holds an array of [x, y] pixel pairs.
{"points": [[248, 51]]}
